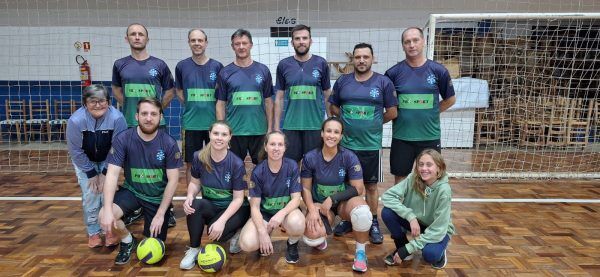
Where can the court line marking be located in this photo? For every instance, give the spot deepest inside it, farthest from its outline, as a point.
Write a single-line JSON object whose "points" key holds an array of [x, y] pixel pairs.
{"points": [[468, 200]]}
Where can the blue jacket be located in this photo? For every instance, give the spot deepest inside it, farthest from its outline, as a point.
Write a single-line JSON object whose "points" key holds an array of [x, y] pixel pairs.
{"points": [[90, 139]]}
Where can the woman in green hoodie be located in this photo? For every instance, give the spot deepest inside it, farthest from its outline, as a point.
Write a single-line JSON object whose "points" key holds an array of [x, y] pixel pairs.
{"points": [[420, 204]]}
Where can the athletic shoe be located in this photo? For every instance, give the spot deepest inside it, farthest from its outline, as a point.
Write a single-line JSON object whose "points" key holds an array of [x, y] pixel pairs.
{"points": [[442, 262], [234, 244], [172, 220], [125, 250], [375, 235], [189, 260], [111, 240], [291, 254], [322, 246], [132, 217], [94, 241], [342, 228], [389, 259], [360, 261]]}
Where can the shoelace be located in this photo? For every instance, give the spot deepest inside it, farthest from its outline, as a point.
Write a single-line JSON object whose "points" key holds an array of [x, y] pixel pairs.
{"points": [[375, 228], [361, 256], [189, 250]]}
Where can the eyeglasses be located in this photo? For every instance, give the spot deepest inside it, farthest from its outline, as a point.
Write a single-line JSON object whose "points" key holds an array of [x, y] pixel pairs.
{"points": [[100, 102]]}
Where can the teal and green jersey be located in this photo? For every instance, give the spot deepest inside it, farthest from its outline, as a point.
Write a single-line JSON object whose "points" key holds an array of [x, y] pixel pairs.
{"points": [[361, 106], [330, 177], [198, 84], [218, 185], [274, 189], [140, 79], [145, 163], [418, 90], [245, 90], [303, 84]]}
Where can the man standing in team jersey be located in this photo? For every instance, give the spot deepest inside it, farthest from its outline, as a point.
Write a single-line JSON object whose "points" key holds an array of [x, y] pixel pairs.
{"points": [[196, 79], [419, 83], [140, 75], [303, 81], [244, 90], [151, 160], [137, 76], [364, 100]]}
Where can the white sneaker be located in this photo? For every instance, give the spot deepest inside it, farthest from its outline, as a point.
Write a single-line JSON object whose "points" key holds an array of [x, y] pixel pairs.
{"points": [[189, 260], [234, 244]]}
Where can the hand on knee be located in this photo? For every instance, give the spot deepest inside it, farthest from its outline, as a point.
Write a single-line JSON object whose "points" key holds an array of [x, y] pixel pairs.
{"points": [[361, 218]]}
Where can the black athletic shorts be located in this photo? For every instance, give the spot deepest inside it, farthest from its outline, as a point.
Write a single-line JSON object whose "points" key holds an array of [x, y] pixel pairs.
{"points": [[300, 142], [128, 203], [193, 141], [404, 153], [370, 161], [241, 145]]}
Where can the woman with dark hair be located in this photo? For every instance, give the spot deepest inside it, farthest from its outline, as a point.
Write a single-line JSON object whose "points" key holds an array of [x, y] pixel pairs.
{"points": [[333, 184]]}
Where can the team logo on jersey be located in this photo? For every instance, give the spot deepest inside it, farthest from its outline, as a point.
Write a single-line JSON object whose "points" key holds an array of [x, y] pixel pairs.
{"points": [[342, 172], [316, 74], [374, 92], [288, 181], [213, 76], [357, 168], [431, 79], [112, 151], [259, 78], [227, 177], [177, 155], [160, 155], [153, 72]]}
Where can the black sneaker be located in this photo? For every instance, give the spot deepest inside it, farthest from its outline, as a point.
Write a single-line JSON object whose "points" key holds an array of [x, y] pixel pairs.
{"points": [[441, 263], [125, 250], [342, 228], [172, 220], [375, 235], [389, 259], [291, 254], [132, 217]]}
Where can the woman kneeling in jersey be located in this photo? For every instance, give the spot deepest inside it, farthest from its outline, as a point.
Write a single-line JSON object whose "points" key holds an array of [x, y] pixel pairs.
{"points": [[274, 199], [218, 173], [333, 184]]}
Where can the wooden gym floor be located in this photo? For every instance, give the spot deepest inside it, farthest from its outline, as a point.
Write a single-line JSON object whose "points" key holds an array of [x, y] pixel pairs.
{"points": [[505, 228]]}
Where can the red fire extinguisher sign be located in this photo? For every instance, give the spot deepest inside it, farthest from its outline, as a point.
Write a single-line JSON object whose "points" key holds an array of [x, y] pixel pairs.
{"points": [[85, 73]]}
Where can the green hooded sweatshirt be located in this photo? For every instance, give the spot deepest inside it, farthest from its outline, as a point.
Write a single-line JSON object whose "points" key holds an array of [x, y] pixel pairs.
{"points": [[432, 211]]}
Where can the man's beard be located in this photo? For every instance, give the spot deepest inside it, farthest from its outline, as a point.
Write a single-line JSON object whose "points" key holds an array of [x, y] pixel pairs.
{"points": [[148, 131], [298, 53], [363, 71]]}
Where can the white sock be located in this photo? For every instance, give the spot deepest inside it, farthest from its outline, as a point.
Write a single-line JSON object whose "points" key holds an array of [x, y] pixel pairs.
{"points": [[293, 240], [127, 239], [360, 246]]}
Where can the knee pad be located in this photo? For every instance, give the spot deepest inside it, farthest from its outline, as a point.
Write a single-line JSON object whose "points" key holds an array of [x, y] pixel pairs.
{"points": [[313, 242], [361, 218]]}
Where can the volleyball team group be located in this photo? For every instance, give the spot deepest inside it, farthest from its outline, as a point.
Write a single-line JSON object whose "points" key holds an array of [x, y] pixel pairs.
{"points": [[307, 169]]}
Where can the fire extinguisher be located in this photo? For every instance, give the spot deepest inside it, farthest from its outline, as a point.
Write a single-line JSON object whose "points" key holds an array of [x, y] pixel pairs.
{"points": [[84, 71]]}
